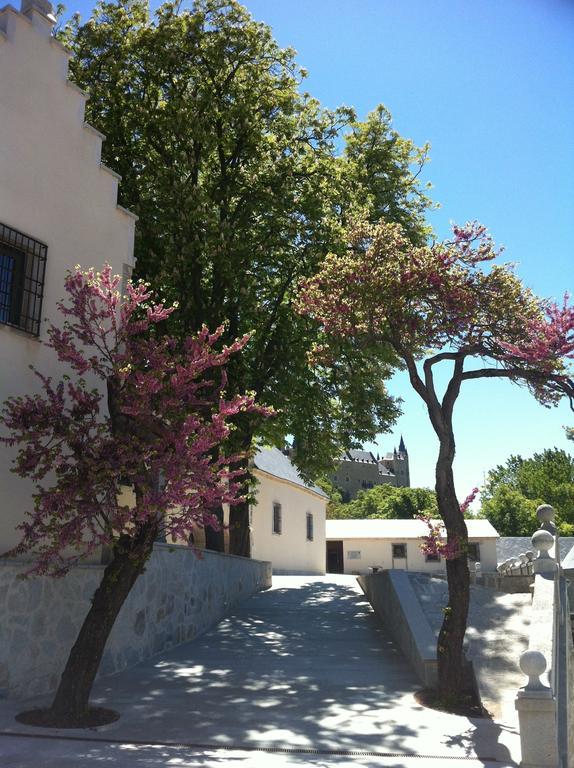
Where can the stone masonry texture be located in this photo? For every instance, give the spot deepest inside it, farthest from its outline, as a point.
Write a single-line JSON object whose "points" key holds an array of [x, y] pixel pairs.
{"points": [[179, 596]]}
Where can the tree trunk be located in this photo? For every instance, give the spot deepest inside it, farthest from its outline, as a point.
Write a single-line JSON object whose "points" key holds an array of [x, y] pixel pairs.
{"points": [[214, 539], [452, 678], [239, 530], [71, 702], [239, 533]]}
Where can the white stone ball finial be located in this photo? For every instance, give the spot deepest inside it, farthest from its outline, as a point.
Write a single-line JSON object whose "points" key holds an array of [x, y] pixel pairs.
{"points": [[533, 664], [545, 513], [543, 541]]}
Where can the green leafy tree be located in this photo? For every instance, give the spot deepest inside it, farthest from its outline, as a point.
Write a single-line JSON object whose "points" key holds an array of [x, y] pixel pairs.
{"points": [[513, 490], [240, 192], [388, 503], [511, 513]]}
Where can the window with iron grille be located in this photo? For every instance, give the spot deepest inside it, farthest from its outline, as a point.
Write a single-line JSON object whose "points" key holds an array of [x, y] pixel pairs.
{"points": [[399, 551], [309, 526], [277, 521], [22, 273], [473, 552]]}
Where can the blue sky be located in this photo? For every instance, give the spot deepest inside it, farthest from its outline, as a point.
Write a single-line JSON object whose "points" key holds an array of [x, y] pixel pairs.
{"points": [[489, 84]]}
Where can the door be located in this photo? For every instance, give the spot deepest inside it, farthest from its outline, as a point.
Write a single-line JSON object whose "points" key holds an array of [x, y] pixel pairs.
{"points": [[335, 557]]}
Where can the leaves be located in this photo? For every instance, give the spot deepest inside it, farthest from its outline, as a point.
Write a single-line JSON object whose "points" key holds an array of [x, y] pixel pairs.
{"points": [[417, 300], [513, 491], [166, 417], [241, 190]]}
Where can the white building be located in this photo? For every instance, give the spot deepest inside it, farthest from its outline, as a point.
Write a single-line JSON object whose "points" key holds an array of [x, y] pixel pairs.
{"points": [[57, 209], [358, 546], [288, 519]]}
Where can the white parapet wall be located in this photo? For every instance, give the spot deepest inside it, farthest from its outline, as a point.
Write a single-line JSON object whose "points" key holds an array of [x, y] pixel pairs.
{"points": [[177, 598]]}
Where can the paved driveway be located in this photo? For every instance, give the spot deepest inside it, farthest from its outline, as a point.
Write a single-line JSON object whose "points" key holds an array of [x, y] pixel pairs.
{"points": [[300, 675]]}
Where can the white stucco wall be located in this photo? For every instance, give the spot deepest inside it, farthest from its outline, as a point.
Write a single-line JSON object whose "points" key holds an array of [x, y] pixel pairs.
{"points": [[378, 552], [289, 552], [53, 189]]}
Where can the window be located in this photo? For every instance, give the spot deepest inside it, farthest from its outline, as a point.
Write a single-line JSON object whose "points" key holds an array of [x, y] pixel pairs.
{"points": [[354, 554], [277, 519], [473, 552], [22, 271], [399, 551], [432, 558], [309, 526]]}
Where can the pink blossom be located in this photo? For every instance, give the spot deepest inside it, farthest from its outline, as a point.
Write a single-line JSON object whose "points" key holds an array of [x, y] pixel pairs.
{"points": [[163, 433]]}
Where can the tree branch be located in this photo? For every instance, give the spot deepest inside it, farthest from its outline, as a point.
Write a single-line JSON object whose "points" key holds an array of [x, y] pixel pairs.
{"points": [[453, 388], [560, 383]]}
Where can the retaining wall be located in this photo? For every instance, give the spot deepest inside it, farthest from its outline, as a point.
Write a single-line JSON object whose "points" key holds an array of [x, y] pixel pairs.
{"points": [[395, 602], [177, 598]]}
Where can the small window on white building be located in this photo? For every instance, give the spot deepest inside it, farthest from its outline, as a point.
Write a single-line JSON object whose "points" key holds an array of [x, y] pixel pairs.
{"points": [[399, 551], [277, 519], [473, 552], [309, 526], [354, 554], [432, 558], [22, 271]]}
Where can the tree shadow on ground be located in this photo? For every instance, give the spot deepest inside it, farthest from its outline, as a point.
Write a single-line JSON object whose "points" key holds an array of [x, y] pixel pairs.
{"points": [[302, 668]]}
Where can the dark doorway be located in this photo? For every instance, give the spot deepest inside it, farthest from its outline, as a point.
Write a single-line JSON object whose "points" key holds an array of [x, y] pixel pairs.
{"points": [[335, 557]]}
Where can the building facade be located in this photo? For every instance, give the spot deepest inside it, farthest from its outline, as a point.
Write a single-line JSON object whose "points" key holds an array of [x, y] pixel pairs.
{"points": [[288, 518], [58, 208], [360, 546], [361, 470]]}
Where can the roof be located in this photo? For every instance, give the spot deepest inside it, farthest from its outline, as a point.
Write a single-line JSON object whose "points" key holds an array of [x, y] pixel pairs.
{"points": [[512, 546], [357, 455], [398, 529], [274, 462]]}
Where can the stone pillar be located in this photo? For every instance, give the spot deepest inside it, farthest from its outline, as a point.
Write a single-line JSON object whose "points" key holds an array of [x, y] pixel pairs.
{"points": [[536, 715]]}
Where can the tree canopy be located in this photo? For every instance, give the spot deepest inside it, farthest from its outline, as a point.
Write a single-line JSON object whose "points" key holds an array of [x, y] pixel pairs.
{"points": [[513, 491], [386, 502], [240, 186], [138, 410], [442, 303]]}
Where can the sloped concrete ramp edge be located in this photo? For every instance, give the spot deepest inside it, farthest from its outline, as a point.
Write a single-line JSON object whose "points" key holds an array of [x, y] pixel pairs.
{"points": [[395, 603]]}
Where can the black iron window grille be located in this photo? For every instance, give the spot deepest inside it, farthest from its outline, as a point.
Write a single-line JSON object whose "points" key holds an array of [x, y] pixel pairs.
{"points": [[474, 552], [22, 273], [399, 551], [277, 519], [309, 526]]}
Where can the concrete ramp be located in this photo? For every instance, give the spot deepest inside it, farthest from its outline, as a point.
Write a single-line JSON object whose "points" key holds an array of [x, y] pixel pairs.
{"points": [[410, 606], [303, 670]]}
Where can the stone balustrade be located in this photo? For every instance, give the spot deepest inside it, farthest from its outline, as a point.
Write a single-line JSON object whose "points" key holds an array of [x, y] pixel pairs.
{"points": [[518, 566], [543, 704]]}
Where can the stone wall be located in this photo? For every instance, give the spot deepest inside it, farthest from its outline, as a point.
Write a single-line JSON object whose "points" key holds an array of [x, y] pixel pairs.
{"points": [[393, 600], [177, 598]]}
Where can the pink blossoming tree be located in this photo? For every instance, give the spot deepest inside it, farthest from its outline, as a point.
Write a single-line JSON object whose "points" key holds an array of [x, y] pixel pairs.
{"points": [[151, 418], [443, 303]]}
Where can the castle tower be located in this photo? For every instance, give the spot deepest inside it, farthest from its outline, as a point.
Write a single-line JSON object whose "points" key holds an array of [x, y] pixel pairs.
{"points": [[401, 465]]}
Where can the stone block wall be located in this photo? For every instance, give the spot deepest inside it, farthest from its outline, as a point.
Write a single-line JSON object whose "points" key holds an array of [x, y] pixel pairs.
{"points": [[177, 598]]}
